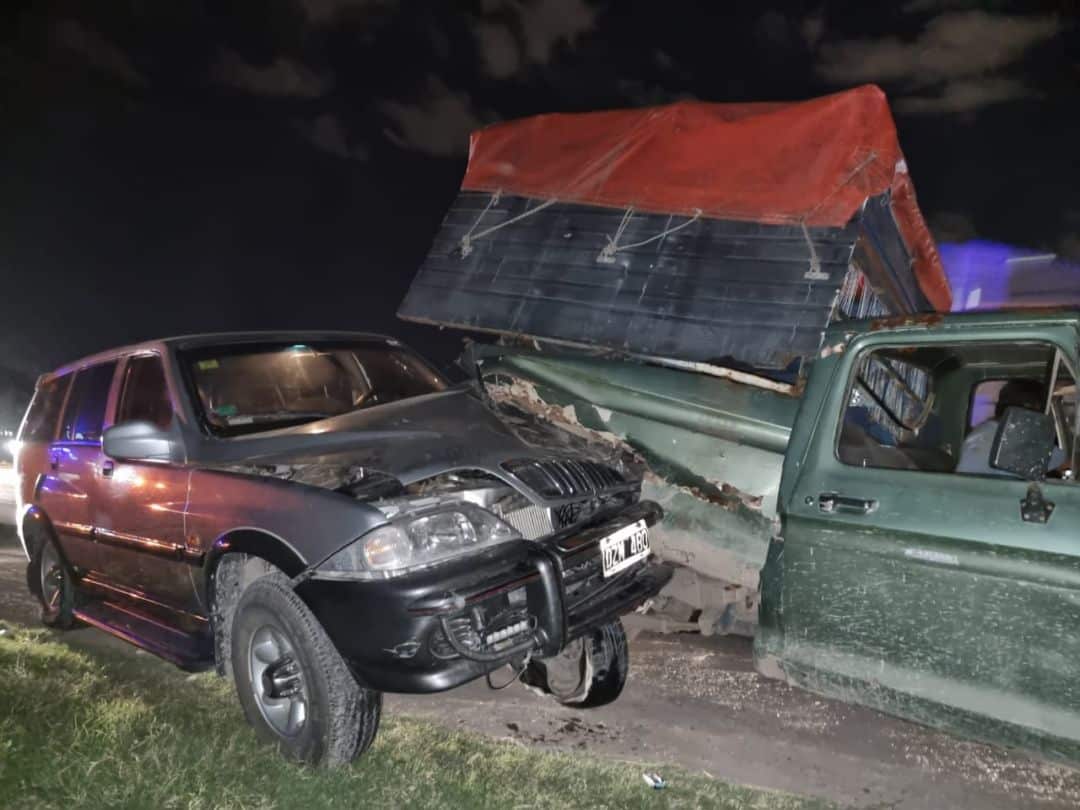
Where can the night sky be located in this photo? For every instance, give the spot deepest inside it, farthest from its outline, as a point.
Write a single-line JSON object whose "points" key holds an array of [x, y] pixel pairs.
{"points": [[181, 167]]}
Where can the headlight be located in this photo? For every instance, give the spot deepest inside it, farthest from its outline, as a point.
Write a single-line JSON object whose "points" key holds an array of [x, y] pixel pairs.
{"points": [[419, 539]]}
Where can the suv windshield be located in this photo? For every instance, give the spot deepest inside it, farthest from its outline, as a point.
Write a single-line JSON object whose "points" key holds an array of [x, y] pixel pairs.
{"points": [[246, 388]]}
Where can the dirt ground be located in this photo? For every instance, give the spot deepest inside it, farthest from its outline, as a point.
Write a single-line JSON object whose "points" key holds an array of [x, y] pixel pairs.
{"points": [[697, 702]]}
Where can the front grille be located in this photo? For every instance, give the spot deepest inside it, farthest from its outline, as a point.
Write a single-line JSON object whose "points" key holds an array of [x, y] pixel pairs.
{"points": [[533, 522], [578, 477], [570, 513]]}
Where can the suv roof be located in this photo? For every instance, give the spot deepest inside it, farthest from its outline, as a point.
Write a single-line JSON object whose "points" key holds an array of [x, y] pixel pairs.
{"points": [[217, 338]]}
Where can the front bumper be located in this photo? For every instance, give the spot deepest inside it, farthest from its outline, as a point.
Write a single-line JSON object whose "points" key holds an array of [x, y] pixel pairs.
{"points": [[445, 626]]}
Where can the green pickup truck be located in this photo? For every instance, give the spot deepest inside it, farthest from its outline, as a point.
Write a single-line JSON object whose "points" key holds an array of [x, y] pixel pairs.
{"points": [[887, 577], [881, 493]]}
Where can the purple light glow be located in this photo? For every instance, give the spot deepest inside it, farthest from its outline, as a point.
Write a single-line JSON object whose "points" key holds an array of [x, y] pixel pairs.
{"points": [[989, 275]]}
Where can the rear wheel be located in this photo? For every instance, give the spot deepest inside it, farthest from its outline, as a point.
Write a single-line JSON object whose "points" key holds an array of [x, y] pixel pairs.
{"points": [[591, 671], [50, 578], [293, 685]]}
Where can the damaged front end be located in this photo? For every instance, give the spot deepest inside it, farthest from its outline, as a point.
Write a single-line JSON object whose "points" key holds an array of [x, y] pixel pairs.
{"points": [[441, 621], [473, 568]]}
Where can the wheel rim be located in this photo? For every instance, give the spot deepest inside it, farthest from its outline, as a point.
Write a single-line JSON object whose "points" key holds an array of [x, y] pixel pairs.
{"points": [[277, 681], [52, 577]]}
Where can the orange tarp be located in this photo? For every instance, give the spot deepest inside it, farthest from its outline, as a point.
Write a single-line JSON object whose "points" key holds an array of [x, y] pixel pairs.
{"points": [[814, 162]]}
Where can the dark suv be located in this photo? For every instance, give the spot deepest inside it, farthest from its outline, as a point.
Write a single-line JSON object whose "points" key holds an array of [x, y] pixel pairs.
{"points": [[324, 518]]}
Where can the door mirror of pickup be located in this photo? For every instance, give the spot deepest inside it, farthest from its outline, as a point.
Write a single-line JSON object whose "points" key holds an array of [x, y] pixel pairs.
{"points": [[1023, 443], [141, 441]]}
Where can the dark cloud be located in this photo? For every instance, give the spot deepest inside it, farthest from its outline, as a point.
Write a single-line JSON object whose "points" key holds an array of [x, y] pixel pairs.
{"points": [[437, 123], [499, 49], [813, 29], [774, 29], [960, 55], [327, 134], [922, 6], [516, 33], [97, 51], [282, 77], [322, 12], [966, 95]]}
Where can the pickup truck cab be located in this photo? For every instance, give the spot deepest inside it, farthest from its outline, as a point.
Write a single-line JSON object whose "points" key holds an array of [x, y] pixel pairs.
{"points": [[324, 518], [919, 566]]}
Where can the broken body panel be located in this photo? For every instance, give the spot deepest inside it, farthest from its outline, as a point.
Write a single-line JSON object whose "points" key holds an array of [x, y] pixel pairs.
{"points": [[712, 449]]}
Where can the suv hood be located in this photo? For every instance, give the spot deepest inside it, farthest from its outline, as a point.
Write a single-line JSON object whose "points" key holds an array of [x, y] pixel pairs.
{"points": [[410, 439]]}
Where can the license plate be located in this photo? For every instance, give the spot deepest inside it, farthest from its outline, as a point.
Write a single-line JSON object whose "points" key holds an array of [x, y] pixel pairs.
{"points": [[625, 547]]}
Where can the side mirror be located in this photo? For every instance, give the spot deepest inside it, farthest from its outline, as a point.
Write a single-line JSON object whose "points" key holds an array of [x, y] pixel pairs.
{"points": [[1023, 443], [141, 441]]}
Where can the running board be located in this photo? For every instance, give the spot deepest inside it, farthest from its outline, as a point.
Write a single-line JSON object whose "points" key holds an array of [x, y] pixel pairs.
{"points": [[193, 653]]}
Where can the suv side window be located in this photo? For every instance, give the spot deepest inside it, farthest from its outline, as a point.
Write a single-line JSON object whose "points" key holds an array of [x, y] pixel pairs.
{"points": [[44, 411], [85, 411], [145, 395]]}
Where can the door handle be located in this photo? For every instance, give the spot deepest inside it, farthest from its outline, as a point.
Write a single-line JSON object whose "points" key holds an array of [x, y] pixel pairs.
{"points": [[831, 503], [107, 468]]}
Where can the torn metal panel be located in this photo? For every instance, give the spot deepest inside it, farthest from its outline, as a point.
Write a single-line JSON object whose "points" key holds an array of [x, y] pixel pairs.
{"points": [[699, 404], [712, 452]]}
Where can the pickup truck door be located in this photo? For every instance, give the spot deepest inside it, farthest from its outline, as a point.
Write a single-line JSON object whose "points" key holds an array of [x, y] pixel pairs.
{"points": [[140, 519], [927, 593]]}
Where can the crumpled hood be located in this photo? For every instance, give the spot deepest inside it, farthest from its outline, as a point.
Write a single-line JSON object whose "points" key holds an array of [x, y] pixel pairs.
{"points": [[410, 439]]}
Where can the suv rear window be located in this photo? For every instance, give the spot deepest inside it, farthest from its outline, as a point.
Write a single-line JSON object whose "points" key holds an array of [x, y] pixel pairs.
{"points": [[85, 411], [145, 396], [44, 410]]}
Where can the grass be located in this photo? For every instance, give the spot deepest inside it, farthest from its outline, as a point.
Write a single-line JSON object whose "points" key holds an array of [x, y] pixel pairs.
{"points": [[82, 729]]}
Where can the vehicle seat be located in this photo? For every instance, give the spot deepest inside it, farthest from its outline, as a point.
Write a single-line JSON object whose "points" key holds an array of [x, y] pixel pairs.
{"points": [[859, 449]]}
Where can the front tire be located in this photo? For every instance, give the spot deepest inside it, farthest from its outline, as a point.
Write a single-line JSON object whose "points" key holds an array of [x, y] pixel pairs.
{"points": [[590, 672], [293, 685], [51, 581]]}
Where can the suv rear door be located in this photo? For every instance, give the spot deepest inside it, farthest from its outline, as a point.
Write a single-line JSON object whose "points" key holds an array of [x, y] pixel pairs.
{"points": [[140, 520], [68, 490], [924, 591]]}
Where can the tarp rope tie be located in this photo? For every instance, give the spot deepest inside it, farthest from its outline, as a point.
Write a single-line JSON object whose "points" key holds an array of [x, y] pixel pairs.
{"points": [[814, 273], [607, 255], [470, 237]]}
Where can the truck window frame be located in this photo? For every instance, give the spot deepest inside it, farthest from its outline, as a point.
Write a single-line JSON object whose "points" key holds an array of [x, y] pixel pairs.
{"points": [[1061, 358]]}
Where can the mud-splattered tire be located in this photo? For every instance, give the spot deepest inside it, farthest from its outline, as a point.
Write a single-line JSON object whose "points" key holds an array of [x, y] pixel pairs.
{"points": [[595, 679], [50, 579], [293, 685]]}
